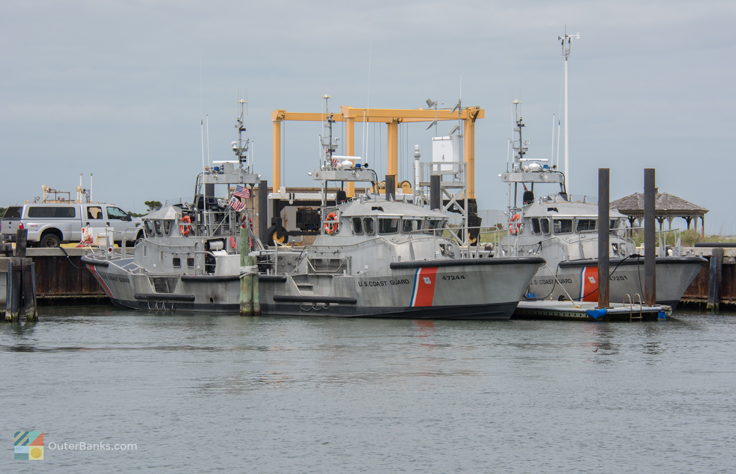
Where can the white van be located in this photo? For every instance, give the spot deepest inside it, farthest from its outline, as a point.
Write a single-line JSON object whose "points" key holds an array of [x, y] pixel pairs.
{"points": [[50, 224]]}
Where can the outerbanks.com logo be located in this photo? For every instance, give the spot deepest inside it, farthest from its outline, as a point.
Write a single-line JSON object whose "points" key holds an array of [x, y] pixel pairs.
{"points": [[84, 446], [29, 446]]}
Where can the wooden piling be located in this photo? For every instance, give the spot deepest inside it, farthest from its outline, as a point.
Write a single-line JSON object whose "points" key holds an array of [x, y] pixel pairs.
{"points": [[435, 192], [650, 279], [263, 210], [249, 292], [21, 242], [21, 290], [715, 276], [603, 238]]}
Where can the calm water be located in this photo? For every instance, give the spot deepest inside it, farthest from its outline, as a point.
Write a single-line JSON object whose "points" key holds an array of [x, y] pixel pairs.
{"points": [[201, 394]]}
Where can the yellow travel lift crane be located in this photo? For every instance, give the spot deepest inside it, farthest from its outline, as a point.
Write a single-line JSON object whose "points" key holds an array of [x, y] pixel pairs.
{"points": [[349, 116]]}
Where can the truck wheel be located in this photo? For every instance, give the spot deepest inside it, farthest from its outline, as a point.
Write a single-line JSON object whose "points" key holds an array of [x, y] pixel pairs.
{"points": [[50, 240]]}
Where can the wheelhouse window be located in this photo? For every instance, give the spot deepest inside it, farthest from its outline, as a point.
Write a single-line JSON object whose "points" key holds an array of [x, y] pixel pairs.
{"points": [[544, 224], [157, 227], [562, 226], [368, 226], [434, 225], [586, 225], [410, 225], [535, 226], [167, 226], [357, 226], [388, 225], [148, 226]]}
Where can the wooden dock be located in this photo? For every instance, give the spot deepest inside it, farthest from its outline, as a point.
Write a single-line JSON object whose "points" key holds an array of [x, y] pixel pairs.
{"points": [[60, 276], [713, 286]]}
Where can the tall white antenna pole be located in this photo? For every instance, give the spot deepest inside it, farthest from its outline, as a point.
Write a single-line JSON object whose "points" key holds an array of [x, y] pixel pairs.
{"points": [[566, 42]]}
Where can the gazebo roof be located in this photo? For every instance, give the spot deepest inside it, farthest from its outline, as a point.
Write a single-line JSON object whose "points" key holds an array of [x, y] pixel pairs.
{"points": [[665, 205]]}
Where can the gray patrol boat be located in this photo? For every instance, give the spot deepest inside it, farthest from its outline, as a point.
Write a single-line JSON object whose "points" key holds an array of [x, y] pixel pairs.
{"points": [[564, 233], [189, 258], [378, 257]]}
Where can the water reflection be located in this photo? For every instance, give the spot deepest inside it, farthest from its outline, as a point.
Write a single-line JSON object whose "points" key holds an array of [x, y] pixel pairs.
{"points": [[601, 341]]}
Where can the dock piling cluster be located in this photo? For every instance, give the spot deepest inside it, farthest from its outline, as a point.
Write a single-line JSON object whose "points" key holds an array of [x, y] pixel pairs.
{"points": [[20, 282], [250, 304]]}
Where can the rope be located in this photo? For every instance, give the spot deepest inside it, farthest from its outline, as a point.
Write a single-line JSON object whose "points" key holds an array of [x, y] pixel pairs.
{"points": [[69, 258]]}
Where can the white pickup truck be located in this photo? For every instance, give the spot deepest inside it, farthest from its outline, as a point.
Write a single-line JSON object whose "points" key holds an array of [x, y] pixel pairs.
{"points": [[50, 224]]}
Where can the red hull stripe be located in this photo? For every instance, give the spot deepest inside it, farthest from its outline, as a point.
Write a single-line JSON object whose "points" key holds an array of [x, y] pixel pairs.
{"points": [[424, 282], [99, 279], [589, 284]]}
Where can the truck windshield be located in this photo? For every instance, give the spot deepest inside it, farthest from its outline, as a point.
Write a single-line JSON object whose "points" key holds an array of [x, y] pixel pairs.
{"points": [[116, 213]]}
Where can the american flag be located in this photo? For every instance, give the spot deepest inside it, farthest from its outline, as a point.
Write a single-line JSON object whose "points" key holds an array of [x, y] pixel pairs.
{"points": [[241, 192], [236, 204]]}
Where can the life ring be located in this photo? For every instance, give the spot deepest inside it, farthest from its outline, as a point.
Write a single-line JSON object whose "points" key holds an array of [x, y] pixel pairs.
{"points": [[186, 226], [331, 223], [515, 224]]}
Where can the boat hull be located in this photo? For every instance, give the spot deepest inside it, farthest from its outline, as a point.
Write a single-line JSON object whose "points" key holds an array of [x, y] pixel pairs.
{"points": [[579, 279], [485, 289]]}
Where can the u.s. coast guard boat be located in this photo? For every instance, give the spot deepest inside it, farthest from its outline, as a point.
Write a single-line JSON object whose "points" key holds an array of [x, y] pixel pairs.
{"points": [[189, 258], [564, 233], [377, 257]]}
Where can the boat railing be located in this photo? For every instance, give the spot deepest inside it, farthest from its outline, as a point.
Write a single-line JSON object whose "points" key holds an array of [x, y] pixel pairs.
{"points": [[268, 258]]}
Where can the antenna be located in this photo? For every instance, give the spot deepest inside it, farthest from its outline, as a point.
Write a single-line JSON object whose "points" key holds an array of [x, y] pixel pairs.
{"points": [[204, 186], [328, 142], [240, 147], [518, 144], [566, 42]]}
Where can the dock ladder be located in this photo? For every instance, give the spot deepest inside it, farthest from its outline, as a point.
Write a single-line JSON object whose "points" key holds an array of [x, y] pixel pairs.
{"points": [[632, 315]]}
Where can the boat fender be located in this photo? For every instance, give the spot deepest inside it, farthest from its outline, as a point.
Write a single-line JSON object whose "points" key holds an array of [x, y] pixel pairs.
{"points": [[331, 223], [596, 313], [186, 226]]}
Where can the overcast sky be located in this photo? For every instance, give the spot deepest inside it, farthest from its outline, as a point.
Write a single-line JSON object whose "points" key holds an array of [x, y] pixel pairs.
{"points": [[118, 88]]}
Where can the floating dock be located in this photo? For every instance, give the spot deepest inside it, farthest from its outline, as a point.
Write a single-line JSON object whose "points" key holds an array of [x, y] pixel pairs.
{"points": [[588, 311]]}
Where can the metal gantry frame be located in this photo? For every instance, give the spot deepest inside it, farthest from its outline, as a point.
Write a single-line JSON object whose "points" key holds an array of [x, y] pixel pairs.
{"points": [[392, 118]]}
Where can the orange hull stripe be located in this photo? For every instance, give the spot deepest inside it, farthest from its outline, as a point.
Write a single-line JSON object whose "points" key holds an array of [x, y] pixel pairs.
{"points": [[426, 281]]}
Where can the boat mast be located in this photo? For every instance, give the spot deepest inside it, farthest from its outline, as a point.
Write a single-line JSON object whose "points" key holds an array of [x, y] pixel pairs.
{"points": [[240, 147], [328, 142], [519, 148], [566, 42]]}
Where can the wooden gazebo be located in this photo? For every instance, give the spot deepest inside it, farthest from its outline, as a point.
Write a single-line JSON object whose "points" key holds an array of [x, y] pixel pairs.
{"points": [[667, 207]]}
